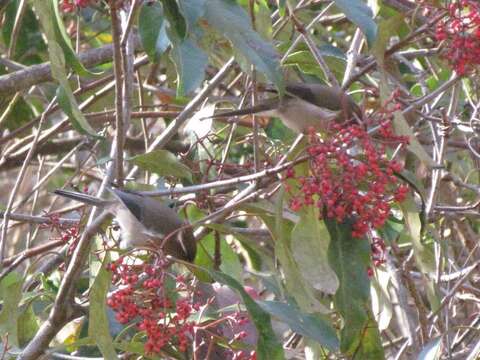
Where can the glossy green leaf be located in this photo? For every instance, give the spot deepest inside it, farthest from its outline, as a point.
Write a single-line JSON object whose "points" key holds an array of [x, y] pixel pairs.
{"points": [[349, 258], [310, 241], [69, 105], [11, 295], [386, 29], [402, 128], [66, 99], [163, 163], [382, 306], [370, 346], [255, 255], [98, 328], [307, 64], [233, 22], [423, 253], [177, 22], [152, 30], [192, 10], [361, 15], [62, 38], [281, 7], [27, 325], [313, 326], [230, 263], [29, 38], [268, 347], [190, 62], [413, 224], [297, 286]]}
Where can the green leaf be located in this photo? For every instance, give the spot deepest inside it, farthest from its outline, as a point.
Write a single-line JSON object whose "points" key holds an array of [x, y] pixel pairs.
{"points": [[234, 23], [310, 241], [281, 6], [402, 128], [268, 347], [69, 105], [27, 325], [386, 29], [310, 325], [230, 263], [190, 62], [163, 163], [349, 258], [307, 64], [361, 15], [382, 305], [63, 40], [152, 30], [175, 18], [423, 253], [370, 346], [11, 294], [29, 42], [66, 99], [98, 320], [297, 286], [192, 10]]}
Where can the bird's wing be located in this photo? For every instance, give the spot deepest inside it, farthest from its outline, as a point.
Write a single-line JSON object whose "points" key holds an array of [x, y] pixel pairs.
{"points": [[302, 92]]}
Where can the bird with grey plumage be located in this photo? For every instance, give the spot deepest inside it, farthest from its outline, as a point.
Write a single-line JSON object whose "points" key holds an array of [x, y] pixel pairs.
{"points": [[304, 106], [144, 221]]}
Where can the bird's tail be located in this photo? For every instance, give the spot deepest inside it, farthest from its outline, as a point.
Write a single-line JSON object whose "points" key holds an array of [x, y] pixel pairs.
{"points": [[266, 105], [82, 197]]}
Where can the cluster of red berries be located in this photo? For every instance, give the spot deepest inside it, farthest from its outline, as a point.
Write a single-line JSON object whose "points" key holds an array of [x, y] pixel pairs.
{"points": [[350, 175], [158, 302], [72, 5], [164, 305], [460, 31], [378, 249], [68, 233]]}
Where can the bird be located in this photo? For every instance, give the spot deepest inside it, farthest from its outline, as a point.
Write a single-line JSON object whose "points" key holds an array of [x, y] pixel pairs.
{"points": [[304, 106], [144, 221]]}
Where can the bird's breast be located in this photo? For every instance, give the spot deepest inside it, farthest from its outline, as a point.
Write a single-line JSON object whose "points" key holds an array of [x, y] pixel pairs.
{"points": [[133, 233], [300, 115]]}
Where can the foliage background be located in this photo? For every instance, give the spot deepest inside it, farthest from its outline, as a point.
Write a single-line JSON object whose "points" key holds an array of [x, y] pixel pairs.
{"points": [[73, 83]]}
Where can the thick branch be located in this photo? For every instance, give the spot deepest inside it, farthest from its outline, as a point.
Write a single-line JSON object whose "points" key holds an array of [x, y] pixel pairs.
{"points": [[36, 74]]}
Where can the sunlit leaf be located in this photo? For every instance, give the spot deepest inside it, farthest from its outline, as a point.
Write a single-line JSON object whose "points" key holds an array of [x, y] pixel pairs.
{"points": [[310, 241], [190, 62], [163, 163], [152, 30], [233, 22], [192, 10], [98, 328], [65, 96], [62, 38], [349, 258], [360, 14], [175, 18], [11, 294], [311, 325], [268, 347]]}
